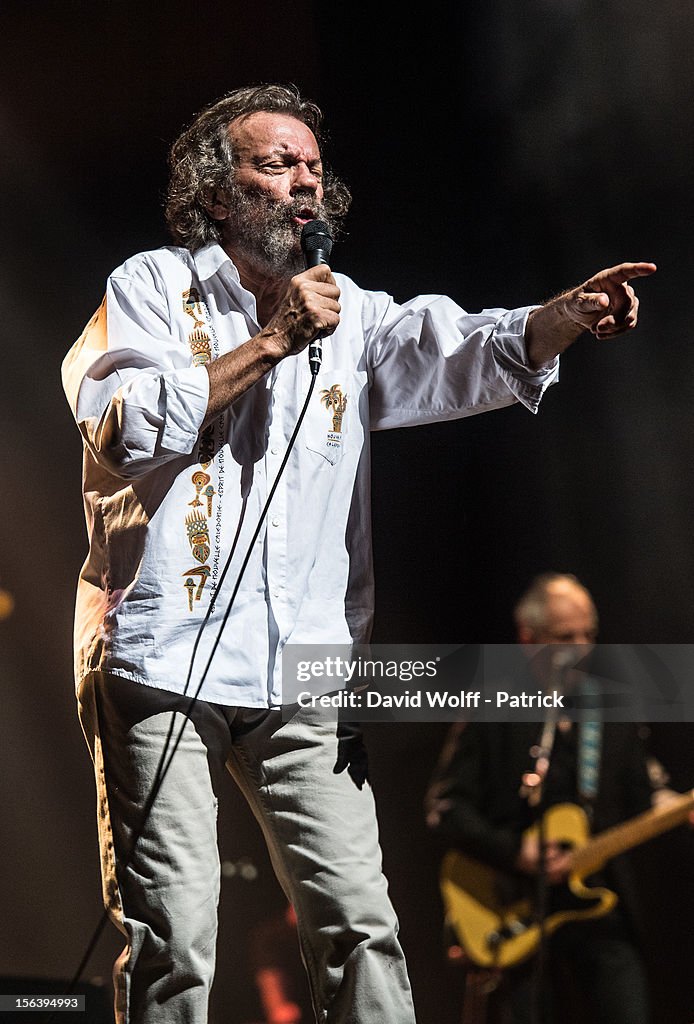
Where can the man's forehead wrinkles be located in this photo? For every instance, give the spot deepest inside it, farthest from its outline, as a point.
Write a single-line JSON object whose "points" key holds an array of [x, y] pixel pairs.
{"points": [[282, 150]]}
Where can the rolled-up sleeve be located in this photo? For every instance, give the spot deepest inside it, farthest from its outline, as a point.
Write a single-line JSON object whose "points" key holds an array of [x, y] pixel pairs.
{"points": [[136, 397], [430, 360]]}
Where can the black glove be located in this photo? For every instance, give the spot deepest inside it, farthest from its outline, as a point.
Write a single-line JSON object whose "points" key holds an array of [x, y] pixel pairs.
{"points": [[351, 753]]}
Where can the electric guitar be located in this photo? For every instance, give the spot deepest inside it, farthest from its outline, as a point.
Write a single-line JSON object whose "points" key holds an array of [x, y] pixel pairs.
{"points": [[496, 926]]}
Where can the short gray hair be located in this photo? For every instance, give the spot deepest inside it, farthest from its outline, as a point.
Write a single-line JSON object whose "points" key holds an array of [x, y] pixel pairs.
{"points": [[531, 608]]}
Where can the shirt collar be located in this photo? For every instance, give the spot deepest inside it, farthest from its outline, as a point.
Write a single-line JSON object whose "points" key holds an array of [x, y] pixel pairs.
{"points": [[214, 261], [209, 260]]}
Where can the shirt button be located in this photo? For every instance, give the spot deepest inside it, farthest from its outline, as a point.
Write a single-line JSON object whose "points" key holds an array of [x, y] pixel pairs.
{"points": [[273, 451], [275, 520]]}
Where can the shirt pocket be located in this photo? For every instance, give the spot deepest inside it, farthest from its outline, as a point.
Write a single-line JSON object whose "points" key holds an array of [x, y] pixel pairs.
{"points": [[333, 404]]}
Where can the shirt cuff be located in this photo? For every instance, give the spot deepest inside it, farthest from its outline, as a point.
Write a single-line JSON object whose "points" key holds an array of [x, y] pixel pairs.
{"points": [[186, 394], [508, 342]]}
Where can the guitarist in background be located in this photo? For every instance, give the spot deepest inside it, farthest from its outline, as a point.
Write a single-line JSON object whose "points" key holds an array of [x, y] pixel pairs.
{"points": [[480, 804]]}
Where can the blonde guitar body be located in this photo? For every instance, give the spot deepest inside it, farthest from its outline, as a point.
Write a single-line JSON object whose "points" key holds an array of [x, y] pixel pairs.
{"points": [[497, 927]]}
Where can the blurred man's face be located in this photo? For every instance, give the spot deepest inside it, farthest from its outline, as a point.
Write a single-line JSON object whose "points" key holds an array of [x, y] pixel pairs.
{"points": [[570, 627]]}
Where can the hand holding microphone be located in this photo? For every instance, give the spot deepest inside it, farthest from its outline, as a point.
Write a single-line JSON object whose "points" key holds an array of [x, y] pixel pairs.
{"points": [[310, 307]]}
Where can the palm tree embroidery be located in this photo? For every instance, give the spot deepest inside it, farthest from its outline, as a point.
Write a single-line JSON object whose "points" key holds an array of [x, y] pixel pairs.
{"points": [[332, 398]]}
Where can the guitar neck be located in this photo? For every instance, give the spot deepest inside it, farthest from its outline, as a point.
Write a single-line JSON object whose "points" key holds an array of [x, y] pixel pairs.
{"points": [[631, 833]]}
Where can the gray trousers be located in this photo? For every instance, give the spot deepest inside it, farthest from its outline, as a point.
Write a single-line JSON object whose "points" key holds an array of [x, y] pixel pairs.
{"points": [[321, 833]]}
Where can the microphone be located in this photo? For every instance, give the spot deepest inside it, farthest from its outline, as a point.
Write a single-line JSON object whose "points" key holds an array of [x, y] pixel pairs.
{"points": [[316, 245]]}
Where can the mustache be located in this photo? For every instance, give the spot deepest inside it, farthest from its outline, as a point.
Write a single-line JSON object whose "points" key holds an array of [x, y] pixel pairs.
{"points": [[279, 214], [278, 208], [305, 205]]}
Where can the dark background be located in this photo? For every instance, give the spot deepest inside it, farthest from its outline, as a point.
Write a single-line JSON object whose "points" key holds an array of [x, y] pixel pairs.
{"points": [[498, 152]]}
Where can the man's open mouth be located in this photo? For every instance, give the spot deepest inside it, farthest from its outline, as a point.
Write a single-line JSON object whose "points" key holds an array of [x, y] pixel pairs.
{"points": [[304, 215]]}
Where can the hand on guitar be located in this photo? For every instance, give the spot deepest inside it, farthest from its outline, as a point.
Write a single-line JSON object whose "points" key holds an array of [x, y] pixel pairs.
{"points": [[494, 932], [557, 859], [663, 796]]}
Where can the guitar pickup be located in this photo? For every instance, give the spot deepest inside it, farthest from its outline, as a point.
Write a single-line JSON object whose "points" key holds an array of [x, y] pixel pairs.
{"points": [[517, 927], [512, 928]]}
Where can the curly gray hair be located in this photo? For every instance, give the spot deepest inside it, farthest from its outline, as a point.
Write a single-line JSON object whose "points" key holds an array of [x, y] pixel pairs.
{"points": [[202, 160]]}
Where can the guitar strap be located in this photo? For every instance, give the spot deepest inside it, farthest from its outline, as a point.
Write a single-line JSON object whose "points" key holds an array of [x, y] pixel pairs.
{"points": [[589, 740], [589, 747]]}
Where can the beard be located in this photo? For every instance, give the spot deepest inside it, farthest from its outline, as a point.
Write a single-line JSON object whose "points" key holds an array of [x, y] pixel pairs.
{"points": [[262, 230]]}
